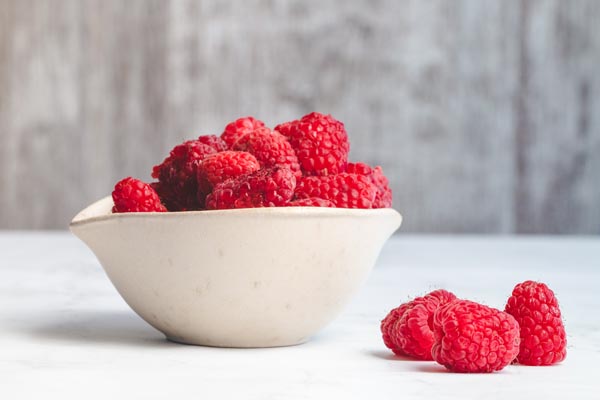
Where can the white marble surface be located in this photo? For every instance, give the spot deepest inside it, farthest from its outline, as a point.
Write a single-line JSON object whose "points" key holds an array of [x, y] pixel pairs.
{"points": [[65, 333]]}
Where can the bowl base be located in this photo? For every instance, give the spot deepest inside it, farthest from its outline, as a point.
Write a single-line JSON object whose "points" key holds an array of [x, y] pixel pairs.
{"points": [[240, 345]]}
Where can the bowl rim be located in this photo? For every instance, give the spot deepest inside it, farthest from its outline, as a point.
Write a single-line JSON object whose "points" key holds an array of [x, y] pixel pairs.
{"points": [[90, 214]]}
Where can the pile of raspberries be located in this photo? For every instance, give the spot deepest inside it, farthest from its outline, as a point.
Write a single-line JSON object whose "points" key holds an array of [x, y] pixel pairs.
{"points": [[299, 163], [465, 336]]}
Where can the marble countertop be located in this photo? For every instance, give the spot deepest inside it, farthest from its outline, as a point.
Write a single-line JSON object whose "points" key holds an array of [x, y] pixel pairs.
{"points": [[65, 332]]}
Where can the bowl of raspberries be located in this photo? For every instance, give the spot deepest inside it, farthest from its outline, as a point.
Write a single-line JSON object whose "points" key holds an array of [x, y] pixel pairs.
{"points": [[256, 237]]}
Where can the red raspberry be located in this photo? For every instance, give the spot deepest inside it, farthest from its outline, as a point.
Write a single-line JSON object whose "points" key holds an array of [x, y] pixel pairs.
{"points": [[270, 187], [388, 328], [285, 127], [214, 141], [413, 331], [407, 330], [321, 143], [219, 167], [270, 149], [543, 337], [238, 128], [177, 183], [344, 190], [471, 337], [311, 202], [383, 199], [132, 195]]}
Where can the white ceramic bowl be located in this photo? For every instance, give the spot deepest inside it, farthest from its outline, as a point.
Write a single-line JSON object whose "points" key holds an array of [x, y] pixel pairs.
{"points": [[256, 277]]}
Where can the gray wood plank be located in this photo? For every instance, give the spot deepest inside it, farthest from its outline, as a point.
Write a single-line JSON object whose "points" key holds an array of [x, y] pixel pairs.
{"points": [[484, 114], [557, 113]]}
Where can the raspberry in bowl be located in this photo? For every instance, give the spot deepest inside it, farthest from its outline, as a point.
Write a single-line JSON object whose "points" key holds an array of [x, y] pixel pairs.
{"points": [[241, 250]]}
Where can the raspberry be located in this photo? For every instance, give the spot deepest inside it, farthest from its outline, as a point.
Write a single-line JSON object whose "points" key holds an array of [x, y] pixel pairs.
{"points": [[270, 187], [286, 127], [270, 149], [543, 337], [238, 128], [387, 328], [177, 183], [344, 190], [407, 329], [383, 199], [214, 141], [414, 328], [132, 195], [219, 167], [311, 202], [320, 141], [471, 337]]}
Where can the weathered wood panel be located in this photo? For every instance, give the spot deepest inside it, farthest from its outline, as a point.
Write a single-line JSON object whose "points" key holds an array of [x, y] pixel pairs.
{"points": [[484, 114]]}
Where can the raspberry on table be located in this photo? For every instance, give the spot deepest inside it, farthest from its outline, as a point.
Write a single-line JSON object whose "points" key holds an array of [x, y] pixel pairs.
{"points": [[269, 187], [320, 141], [235, 130], [543, 336], [414, 329], [471, 337], [344, 190], [133, 195], [219, 167], [388, 325], [214, 141], [407, 330], [383, 199], [270, 149], [177, 183], [311, 202]]}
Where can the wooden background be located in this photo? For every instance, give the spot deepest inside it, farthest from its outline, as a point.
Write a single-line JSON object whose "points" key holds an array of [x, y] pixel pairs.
{"points": [[484, 114]]}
